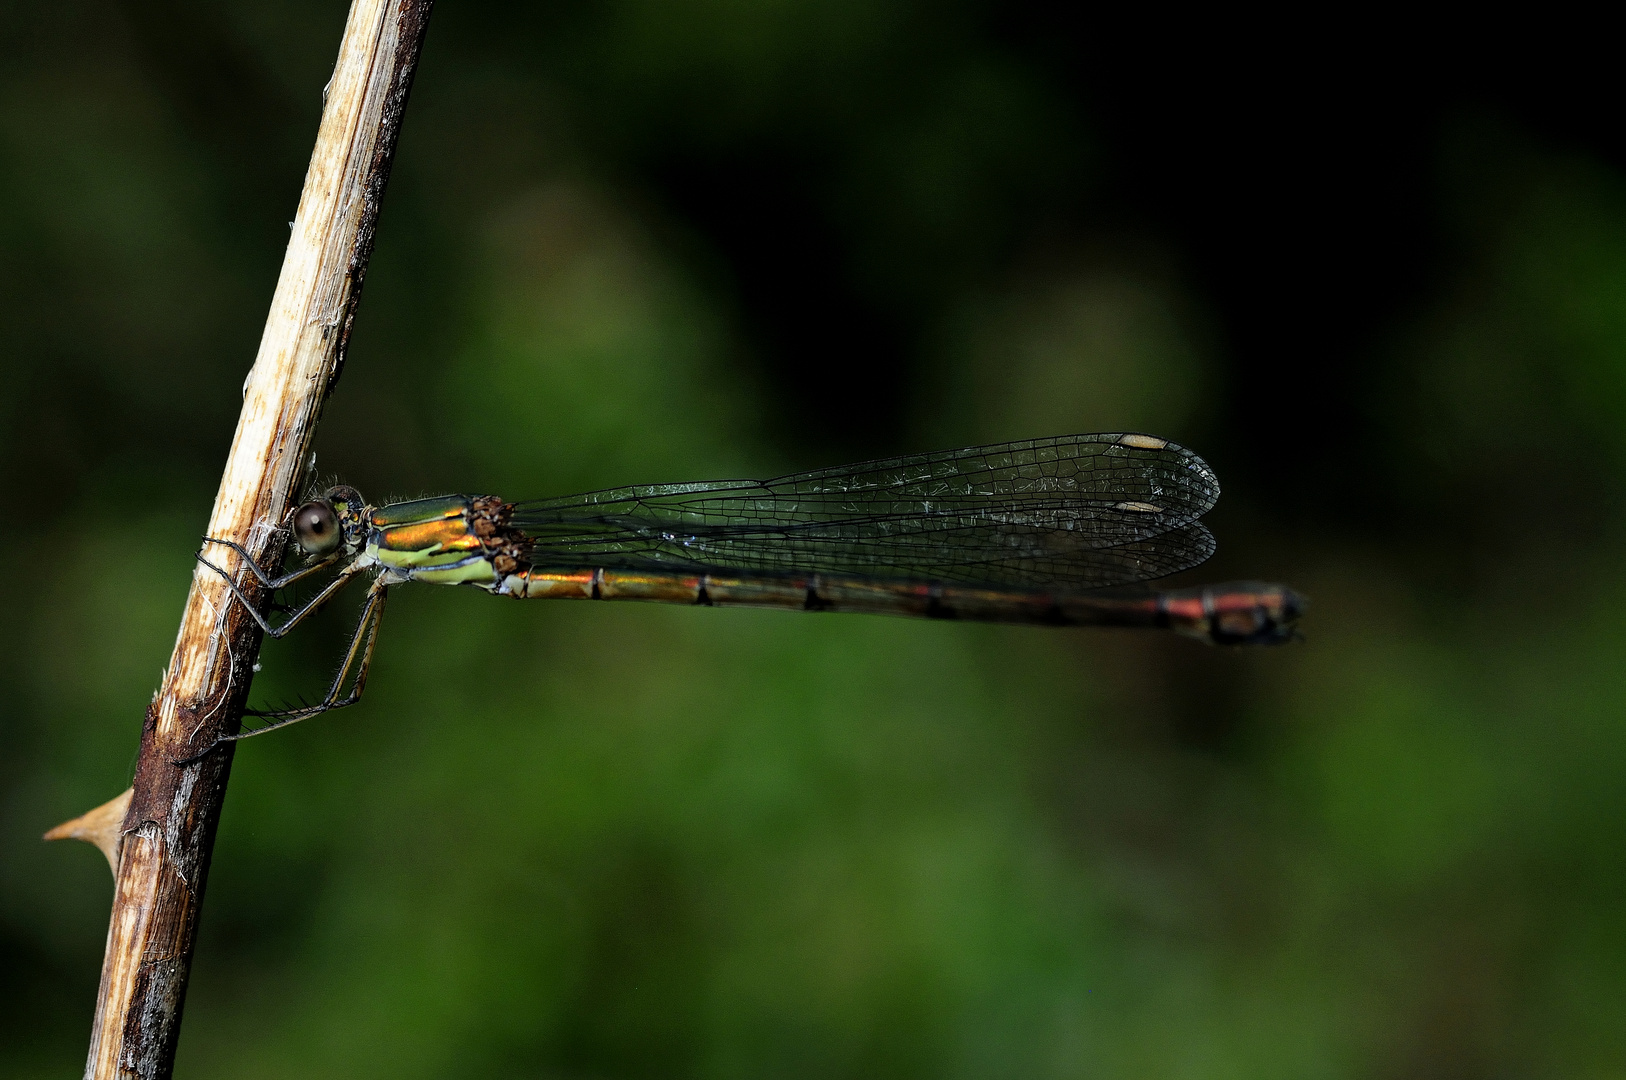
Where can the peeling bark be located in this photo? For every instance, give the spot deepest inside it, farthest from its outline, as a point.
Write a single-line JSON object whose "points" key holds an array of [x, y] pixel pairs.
{"points": [[169, 829]]}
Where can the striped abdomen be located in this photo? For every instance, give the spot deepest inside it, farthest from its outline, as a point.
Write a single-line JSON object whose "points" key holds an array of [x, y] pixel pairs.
{"points": [[1236, 613]]}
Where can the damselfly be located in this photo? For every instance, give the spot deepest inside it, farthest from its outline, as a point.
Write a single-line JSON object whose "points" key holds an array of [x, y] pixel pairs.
{"points": [[1037, 532]]}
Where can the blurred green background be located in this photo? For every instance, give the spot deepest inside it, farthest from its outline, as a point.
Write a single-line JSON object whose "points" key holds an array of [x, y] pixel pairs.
{"points": [[655, 240]]}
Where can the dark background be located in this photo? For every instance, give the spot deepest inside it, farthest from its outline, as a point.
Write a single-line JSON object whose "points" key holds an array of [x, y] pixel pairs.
{"points": [[1375, 273]]}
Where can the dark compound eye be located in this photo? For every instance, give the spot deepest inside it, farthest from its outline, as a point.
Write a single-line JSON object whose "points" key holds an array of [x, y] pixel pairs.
{"points": [[316, 527]]}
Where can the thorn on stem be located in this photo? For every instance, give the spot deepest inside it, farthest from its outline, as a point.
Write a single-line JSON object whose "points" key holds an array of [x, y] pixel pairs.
{"points": [[103, 826]]}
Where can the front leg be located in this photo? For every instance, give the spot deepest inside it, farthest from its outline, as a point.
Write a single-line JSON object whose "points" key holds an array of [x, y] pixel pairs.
{"points": [[266, 579], [345, 577]]}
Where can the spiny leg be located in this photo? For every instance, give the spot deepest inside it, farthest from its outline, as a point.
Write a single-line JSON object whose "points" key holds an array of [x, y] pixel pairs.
{"points": [[345, 577], [361, 645]]}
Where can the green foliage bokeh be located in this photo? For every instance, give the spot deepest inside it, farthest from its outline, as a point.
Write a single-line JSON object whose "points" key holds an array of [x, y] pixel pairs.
{"points": [[627, 841]]}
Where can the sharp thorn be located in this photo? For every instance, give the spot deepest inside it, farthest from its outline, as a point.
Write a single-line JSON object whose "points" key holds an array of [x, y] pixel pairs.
{"points": [[103, 827]]}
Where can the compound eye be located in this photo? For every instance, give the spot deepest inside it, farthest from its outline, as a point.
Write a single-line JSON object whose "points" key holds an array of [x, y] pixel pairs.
{"points": [[316, 527]]}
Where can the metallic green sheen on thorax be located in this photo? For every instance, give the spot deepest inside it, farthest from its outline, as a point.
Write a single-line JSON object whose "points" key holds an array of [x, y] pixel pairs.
{"points": [[429, 540], [419, 510]]}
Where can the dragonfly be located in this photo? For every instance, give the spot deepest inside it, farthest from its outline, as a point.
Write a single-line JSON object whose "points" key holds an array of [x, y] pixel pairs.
{"points": [[1060, 531]]}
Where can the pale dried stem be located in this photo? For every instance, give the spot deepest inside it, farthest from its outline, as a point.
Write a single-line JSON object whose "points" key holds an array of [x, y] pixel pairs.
{"points": [[168, 831]]}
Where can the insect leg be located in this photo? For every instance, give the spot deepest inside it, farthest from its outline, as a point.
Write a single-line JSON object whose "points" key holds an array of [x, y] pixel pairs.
{"points": [[358, 656], [345, 577], [266, 579]]}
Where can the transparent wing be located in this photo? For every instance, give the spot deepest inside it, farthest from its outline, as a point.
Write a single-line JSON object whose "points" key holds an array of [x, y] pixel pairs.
{"points": [[1079, 511]]}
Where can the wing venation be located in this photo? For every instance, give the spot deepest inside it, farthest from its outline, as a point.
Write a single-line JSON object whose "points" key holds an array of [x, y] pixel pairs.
{"points": [[1082, 511]]}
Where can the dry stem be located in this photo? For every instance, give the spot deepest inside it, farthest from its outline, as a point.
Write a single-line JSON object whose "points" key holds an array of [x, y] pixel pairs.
{"points": [[168, 831]]}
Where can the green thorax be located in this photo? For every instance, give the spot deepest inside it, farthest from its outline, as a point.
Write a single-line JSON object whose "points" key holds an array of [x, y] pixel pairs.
{"points": [[429, 540]]}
